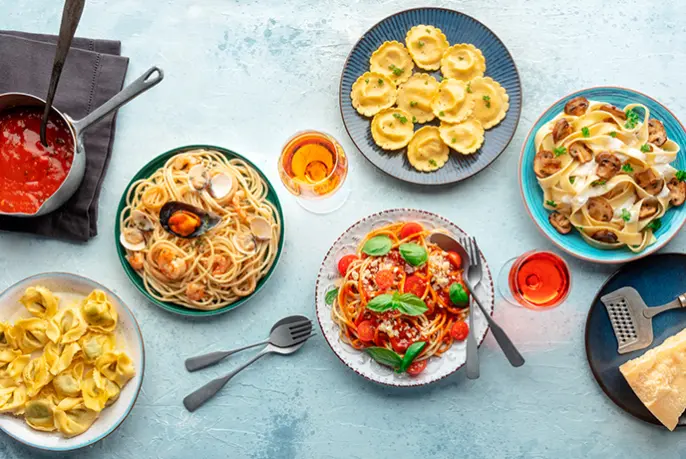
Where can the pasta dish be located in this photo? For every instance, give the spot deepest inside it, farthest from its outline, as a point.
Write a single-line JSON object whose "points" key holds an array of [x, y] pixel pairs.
{"points": [[606, 172], [401, 299], [200, 230]]}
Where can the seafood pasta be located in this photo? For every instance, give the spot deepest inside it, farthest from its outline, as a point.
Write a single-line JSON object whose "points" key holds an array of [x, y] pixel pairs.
{"points": [[200, 230], [401, 299]]}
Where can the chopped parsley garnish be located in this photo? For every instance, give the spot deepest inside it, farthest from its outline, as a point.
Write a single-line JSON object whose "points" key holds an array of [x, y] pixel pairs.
{"points": [[428, 31], [441, 113], [413, 103], [414, 119], [681, 176], [613, 134], [400, 117], [487, 100], [420, 43], [433, 162], [645, 148], [559, 151], [599, 182], [626, 215], [397, 71], [585, 132], [469, 87], [426, 83], [631, 119], [366, 80], [453, 140], [439, 78], [551, 203], [571, 180], [380, 82], [655, 224], [461, 58], [627, 168]]}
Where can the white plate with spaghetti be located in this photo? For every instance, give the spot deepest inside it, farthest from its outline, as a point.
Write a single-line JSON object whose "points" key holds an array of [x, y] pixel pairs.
{"points": [[392, 306]]}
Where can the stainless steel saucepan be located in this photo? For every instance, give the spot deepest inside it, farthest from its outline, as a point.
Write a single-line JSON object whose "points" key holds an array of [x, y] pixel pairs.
{"points": [[13, 100]]}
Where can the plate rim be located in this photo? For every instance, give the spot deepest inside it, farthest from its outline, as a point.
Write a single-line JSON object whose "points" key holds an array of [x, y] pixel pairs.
{"points": [[413, 181], [328, 253], [177, 308], [120, 421], [596, 298], [650, 250]]}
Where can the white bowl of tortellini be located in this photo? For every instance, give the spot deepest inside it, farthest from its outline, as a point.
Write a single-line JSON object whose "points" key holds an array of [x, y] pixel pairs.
{"points": [[71, 361]]}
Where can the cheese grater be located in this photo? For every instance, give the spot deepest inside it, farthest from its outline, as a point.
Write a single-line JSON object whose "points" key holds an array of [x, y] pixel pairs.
{"points": [[632, 319]]}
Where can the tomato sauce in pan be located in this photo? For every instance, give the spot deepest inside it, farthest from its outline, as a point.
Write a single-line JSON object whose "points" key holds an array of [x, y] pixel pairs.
{"points": [[29, 172]]}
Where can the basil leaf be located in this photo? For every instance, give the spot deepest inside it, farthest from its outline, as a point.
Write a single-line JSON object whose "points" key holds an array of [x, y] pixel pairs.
{"points": [[331, 296], [458, 295], [412, 351], [413, 253], [409, 304], [385, 356], [381, 303], [378, 246]]}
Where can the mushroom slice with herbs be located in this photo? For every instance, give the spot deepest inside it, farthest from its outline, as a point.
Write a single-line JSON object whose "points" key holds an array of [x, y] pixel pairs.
{"points": [[648, 209], [656, 132], [581, 152], [561, 129], [613, 110], [576, 106], [605, 236], [560, 222], [677, 191], [608, 165], [546, 164], [600, 209], [650, 182]]}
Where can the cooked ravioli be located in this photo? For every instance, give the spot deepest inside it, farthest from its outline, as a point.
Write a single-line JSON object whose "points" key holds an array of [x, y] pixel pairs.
{"points": [[465, 137], [451, 102], [415, 95], [392, 128], [392, 60], [426, 45], [491, 101], [463, 62], [426, 151], [372, 92]]}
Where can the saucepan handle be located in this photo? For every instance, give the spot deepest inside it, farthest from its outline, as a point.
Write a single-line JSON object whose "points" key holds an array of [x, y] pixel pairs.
{"points": [[149, 79]]}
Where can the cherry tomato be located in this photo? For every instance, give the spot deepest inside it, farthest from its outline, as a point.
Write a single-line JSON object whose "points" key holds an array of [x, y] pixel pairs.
{"points": [[460, 330], [384, 279], [400, 344], [455, 259], [409, 229], [415, 285], [344, 263], [365, 331], [416, 367]]}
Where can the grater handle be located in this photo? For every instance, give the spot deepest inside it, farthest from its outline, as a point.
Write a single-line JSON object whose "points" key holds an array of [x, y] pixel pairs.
{"points": [[680, 302]]}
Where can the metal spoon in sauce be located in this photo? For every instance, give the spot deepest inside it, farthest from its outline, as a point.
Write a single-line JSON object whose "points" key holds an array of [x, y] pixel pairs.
{"points": [[71, 15]]}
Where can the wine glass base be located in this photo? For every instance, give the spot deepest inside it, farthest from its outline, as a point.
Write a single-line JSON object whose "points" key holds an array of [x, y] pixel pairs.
{"points": [[503, 282], [326, 205]]}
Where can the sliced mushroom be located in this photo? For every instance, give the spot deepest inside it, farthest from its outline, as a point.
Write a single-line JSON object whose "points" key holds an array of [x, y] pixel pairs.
{"points": [[600, 209], [561, 129], [677, 191], [656, 132], [648, 209], [546, 164], [581, 152], [650, 182], [608, 165], [613, 110], [605, 236], [560, 222], [576, 106]]}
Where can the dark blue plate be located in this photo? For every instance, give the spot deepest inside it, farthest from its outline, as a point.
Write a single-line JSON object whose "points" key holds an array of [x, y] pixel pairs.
{"points": [[458, 28], [659, 279]]}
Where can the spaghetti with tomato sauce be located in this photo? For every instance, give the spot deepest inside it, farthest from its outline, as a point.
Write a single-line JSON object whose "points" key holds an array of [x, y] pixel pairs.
{"points": [[398, 291]]}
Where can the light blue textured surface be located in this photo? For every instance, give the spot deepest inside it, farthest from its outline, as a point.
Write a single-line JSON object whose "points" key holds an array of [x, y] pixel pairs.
{"points": [[246, 75]]}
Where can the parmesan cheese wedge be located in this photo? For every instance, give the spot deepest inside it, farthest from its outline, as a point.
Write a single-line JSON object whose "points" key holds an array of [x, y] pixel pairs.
{"points": [[658, 378]]}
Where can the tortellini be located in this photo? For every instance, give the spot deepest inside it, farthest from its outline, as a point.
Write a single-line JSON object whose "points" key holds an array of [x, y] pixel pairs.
{"points": [[15, 368], [99, 312], [463, 62], [465, 137], [94, 345], [392, 129], [60, 356], [373, 92], [67, 326], [392, 60], [6, 340], [68, 383], [39, 414], [415, 95], [29, 334], [12, 399], [36, 375], [40, 302], [426, 151], [491, 101], [426, 45], [72, 417], [452, 102], [98, 391], [117, 366]]}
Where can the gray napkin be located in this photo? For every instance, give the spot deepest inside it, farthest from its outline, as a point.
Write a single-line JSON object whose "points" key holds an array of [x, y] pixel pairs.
{"points": [[93, 73]]}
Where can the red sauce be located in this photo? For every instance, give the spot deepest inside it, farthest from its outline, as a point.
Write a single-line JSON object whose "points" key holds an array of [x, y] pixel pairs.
{"points": [[29, 172]]}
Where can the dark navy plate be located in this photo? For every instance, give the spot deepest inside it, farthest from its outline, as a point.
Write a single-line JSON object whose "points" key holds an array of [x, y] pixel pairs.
{"points": [[458, 28], [659, 279]]}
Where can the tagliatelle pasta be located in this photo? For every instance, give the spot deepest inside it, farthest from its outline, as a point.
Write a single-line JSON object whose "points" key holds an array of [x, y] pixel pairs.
{"points": [[392, 60]]}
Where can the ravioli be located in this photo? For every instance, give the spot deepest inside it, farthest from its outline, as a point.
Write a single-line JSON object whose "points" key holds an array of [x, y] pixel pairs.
{"points": [[465, 137], [426, 45], [415, 95], [392, 60], [426, 151], [451, 102], [40, 302], [67, 326], [491, 101], [392, 128], [372, 92], [463, 61], [72, 417]]}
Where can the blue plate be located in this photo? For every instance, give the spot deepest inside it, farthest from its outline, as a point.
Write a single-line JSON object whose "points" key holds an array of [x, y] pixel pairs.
{"points": [[532, 193], [659, 279], [458, 28]]}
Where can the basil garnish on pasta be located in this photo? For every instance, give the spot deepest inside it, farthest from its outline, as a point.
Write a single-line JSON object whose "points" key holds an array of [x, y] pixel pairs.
{"points": [[378, 246]]}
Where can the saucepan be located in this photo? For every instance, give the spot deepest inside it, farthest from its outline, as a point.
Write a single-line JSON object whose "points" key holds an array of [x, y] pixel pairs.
{"points": [[77, 127]]}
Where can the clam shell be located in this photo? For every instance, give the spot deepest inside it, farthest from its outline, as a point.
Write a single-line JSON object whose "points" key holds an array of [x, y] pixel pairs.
{"points": [[208, 220], [132, 239], [222, 186], [261, 229], [141, 220], [198, 177]]}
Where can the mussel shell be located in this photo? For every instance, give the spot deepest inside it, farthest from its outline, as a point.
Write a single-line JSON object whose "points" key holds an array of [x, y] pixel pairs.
{"points": [[208, 220]]}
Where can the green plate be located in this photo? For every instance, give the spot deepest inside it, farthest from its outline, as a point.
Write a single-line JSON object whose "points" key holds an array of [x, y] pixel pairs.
{"points": [[137, 280]]}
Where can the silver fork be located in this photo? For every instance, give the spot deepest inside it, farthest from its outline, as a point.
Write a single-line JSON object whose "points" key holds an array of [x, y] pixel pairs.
{"points": [[473, 277]]}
